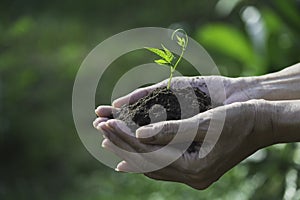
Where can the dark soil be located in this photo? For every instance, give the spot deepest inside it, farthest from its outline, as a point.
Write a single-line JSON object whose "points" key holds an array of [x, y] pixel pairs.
{"points": [[163, 104]]}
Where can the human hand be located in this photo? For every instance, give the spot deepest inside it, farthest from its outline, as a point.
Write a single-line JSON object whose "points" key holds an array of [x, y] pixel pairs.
{"points": [[234, 90], [247, 128]]}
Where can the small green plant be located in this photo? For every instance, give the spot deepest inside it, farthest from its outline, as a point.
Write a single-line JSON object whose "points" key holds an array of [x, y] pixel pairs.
{"points": [[166, 56]]}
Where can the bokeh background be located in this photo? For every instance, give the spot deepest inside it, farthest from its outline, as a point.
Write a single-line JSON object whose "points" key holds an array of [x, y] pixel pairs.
{"points": [[42, 44]]}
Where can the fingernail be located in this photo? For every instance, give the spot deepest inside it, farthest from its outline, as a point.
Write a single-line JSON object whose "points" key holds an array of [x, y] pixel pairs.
{"points": [[97, 110], [119, 165], [104, 143], [140, 135], [144, 132], [95, 124], [124, 167]]}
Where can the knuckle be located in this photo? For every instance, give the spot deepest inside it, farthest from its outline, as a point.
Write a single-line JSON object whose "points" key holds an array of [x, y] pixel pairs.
{"points": [[166, 127], [169, 128]]}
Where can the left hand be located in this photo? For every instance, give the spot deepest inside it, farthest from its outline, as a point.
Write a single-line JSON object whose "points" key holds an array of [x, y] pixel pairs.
{"points": [[247, 128]]}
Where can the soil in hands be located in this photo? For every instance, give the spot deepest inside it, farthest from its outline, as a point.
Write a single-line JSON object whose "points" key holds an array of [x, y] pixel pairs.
{"points": [[163, 104]]}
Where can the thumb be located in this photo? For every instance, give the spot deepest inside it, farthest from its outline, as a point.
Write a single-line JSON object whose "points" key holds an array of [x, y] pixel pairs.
{"points": [[162, 133], [158, 133], [130, 98], [137, 94]]}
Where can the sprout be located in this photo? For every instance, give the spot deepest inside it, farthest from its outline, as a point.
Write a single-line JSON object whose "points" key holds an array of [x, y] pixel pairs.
{"points": [[167, 57]]}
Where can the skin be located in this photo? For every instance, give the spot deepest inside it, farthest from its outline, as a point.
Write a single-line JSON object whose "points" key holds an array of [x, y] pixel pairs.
{"points": [[260, 111]]}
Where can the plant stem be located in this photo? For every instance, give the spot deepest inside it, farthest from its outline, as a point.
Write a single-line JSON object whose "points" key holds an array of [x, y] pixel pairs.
{"points": [[170, 78], [172, 68], [182, 51]]}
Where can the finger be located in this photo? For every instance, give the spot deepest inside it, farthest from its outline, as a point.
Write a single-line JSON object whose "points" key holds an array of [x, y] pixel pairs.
{"points": [[129, 153], [164, 174], [123, 132], [105, 111], [132, 161], [158, 133], [133, 167], [188, 130], [136, 95], [125, 156], [109, 134], [158, 157], [125, 166], [201, 83], [131, 98], [98, 120]]}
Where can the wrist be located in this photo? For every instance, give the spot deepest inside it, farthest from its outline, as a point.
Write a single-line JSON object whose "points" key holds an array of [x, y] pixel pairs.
{"points": [[264, 123], [265, 89], [249, 86], [286, 118], [282, 85]]}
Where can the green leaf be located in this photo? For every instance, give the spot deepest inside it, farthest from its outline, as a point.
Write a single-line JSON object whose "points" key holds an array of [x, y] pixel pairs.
{"points": [[183, 41], [178, 38], [169, 54], [158, 52], [161, 62], [180, 44], [180, 41]]}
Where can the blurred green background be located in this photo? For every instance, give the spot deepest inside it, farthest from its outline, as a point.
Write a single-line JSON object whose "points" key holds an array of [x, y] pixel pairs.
{"points": [[42, 44]]}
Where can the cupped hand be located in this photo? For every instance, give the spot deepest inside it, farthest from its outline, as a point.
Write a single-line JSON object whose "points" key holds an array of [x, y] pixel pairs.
{"points": [[233, 90], [247, 128]]}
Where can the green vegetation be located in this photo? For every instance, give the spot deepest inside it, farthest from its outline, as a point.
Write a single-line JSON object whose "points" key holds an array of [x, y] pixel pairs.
{"points": [[42, 44], [167, 56]]}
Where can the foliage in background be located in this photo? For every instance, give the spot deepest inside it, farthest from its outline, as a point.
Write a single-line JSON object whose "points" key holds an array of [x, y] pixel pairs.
{"points": [[42, 44]]}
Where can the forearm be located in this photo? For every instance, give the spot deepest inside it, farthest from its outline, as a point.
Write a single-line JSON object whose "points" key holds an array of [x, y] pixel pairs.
{"points": [[282, 85], [286, 121]]}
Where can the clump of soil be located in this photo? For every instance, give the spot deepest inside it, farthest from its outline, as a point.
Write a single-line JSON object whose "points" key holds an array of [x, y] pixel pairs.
{"points": [[164, 104]]}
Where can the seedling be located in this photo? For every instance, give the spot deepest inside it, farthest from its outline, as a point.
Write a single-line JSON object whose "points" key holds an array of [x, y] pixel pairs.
{"points": [[167, 57]]}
